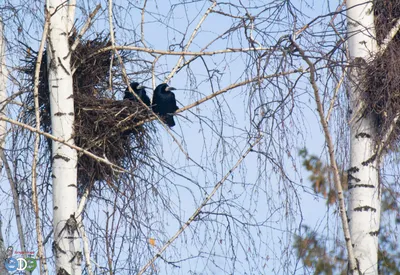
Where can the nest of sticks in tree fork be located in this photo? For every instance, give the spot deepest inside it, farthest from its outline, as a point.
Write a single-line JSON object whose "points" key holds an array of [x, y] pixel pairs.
{"points": [[382, 74], [103, 125]]}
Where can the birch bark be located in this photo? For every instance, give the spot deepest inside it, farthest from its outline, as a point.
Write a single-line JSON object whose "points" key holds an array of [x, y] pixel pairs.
{"points": [[66, 246], [364, 190]]}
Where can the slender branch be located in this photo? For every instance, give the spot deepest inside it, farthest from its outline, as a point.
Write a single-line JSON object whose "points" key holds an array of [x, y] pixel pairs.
{"points": [[152, 51], [82, 202], [233, 86], [333, 100], [153, 71], [389, 37], [15, 196], [224, 90], [206, 47], [142, 24], [142, 34], [190, 41], [198, 210], [107, 240], [71, 13], [331, 149], [382, 144], [85, 28], [60, 140], [35, 204], [3, 252], [85, 241], [4, 101]]}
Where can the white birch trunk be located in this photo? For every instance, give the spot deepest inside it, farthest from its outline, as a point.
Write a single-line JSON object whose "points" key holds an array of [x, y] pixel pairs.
{"points": [[66, 245], [364, 190]]}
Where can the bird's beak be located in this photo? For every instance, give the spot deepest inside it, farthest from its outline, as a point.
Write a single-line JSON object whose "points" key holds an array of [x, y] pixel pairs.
{"points": [[143, 87], [170, 89]]}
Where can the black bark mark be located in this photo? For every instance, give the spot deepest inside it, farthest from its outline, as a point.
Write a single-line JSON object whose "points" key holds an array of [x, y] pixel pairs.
{"points": [[374, 233], [351, 177], [365, 208], [353, 169], [60, 114], [61, 157], [368, 161], [351, 186], [363, 135]]}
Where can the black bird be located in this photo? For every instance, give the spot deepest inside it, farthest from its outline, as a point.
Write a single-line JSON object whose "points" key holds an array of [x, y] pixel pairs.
{"points": [[164, 103], [140, 91]]}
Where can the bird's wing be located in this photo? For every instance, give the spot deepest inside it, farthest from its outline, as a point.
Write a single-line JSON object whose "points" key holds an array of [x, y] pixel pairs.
{"points": [[146, 100], [174, 102], [155, 102], [127, 95]]}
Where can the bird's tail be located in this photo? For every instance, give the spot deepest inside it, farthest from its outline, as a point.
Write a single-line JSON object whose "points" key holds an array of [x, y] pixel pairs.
{"points": [[169, 120]]}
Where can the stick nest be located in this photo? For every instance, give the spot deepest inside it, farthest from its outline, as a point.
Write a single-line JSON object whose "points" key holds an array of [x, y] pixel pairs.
{"points": [[382, 73], [103, 125]]}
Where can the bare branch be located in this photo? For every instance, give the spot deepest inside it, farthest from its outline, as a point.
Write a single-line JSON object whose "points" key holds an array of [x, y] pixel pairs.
{"points": [[226, 89], [333, 100], [35, 204], [389, 37], [86, 247], [331, 149], [190, 41], [198, 210], [117, 168], [71, 13], [152, 51], [85, 27], [16, 203]]}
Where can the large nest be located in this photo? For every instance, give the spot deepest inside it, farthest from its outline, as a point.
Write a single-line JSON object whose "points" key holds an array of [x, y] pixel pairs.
{"points": [[382, 73], [103, 125]]}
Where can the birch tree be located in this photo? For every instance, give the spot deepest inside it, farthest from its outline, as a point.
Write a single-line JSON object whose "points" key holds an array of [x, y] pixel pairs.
{"points": [[66, 244], [364, 209]]}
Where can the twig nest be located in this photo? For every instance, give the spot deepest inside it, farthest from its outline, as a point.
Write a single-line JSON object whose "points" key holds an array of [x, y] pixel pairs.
{"points": [[103, 125]]}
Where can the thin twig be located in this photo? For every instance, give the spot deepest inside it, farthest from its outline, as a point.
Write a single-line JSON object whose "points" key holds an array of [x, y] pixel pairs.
{"points": [[206, 47], [142, 26], [190, 41], [198, 210], [85, 28], [333, 100], [331, 149]]}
